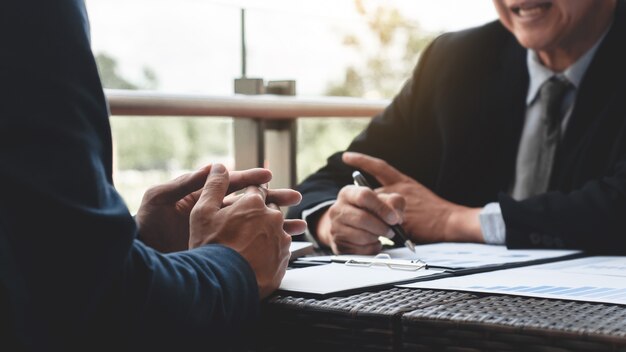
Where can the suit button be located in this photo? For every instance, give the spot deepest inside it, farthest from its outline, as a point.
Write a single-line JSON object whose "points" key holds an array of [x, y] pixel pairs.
{"points": [[535, 238]]}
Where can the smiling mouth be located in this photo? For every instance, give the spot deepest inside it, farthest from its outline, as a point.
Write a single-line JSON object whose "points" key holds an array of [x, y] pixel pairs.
{"points": [[531, 9]]}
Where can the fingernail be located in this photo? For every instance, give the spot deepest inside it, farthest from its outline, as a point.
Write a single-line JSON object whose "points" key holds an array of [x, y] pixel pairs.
{"points": [[391, 218], [217, 169], [204, 170], [390, 233], [348, 153]]}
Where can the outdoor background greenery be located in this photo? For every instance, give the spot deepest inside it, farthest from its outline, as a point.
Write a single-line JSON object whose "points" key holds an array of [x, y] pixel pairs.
{"points": [[152, 150]]}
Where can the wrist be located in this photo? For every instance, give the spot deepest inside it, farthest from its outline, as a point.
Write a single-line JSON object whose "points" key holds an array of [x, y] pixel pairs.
{"points": [[464, 225]]}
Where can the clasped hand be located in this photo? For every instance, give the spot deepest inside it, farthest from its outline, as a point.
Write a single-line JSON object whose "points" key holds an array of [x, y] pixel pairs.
{"points": [[193, 210]]}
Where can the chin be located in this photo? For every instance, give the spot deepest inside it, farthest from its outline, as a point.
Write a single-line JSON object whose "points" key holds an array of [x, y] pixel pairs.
{"points": [[534, 42]]}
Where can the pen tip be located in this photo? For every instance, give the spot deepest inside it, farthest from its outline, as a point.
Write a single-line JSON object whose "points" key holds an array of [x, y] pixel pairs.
{"points": [[410, 245]]}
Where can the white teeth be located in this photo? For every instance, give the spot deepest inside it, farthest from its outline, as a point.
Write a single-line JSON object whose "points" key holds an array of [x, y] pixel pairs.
{"points": [[533, 11]]}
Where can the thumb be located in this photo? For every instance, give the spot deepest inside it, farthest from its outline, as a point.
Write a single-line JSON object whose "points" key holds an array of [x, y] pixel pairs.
{"points": [[183, 185], [215, 187]]}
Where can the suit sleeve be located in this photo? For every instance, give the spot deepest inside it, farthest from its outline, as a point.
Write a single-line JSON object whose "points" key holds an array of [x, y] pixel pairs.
{"points": [[71, 271], [589, 218]]}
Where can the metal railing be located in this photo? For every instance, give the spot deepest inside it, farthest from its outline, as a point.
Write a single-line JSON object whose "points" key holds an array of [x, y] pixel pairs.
{"points": [[260, 136]]}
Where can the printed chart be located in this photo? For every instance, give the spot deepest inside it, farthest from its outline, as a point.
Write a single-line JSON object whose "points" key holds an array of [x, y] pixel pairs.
{"points": [[591, 279]]}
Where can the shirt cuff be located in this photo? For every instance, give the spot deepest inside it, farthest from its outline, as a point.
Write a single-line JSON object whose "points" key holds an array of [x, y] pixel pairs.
{"points": [[492, 224], [308, 212]]}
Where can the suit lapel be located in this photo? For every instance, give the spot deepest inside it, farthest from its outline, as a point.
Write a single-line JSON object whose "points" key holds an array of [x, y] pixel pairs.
{"points": [[505, 110], [599, 83]]}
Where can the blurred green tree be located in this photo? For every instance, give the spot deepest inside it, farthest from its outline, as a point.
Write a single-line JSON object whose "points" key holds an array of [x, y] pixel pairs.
{"points": [[109, 75], [387, 57], [159, 143], [388, 54]]}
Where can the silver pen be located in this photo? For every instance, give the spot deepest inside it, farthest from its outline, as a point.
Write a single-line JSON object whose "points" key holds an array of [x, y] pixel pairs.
{"points": [[360, 180]]}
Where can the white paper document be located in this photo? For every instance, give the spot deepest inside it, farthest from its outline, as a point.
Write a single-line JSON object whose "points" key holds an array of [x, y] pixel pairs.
{"points": [[336, 278], [591, 279], [298, 249], [459, 256], [474, 255]]}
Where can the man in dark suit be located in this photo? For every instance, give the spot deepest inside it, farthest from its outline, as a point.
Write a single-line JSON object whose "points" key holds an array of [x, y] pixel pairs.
{"points": [[511, 133], [77, 272]]}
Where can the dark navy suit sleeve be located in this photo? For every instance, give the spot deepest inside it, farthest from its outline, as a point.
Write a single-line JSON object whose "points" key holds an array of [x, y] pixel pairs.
{"points": [[72, 274]]}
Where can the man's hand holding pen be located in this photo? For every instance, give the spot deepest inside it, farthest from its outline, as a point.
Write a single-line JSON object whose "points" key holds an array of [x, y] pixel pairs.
{"points": [[353, 222], [397, 229]]}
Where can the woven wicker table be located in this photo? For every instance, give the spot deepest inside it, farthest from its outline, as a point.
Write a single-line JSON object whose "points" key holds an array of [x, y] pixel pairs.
{"points": [[425, 320]]}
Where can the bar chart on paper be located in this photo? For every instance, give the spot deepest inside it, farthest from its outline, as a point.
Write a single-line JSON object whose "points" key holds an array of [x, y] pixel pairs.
{"points": [[591, 279]]}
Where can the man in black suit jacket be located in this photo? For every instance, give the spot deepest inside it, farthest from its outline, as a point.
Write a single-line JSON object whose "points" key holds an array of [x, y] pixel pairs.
{"points": [[77, 272], [452, 152]]}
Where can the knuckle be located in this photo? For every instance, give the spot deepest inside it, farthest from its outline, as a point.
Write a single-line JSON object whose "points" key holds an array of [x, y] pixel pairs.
{"points": [[362, 196], [334, 210], [253, 200], [333, 229], [152, 193], [384, 211], [346, 191], [276, 216], [397, 199], [286, 242], [200, 208]]}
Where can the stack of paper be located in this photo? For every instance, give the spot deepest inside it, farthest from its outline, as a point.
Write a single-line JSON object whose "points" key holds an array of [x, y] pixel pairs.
{"points": [[443, 260], [591, 279], [340, 278]]}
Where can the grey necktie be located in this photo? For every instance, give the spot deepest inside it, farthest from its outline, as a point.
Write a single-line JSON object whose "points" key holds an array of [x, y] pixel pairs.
{"points": [[551, 96]]}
